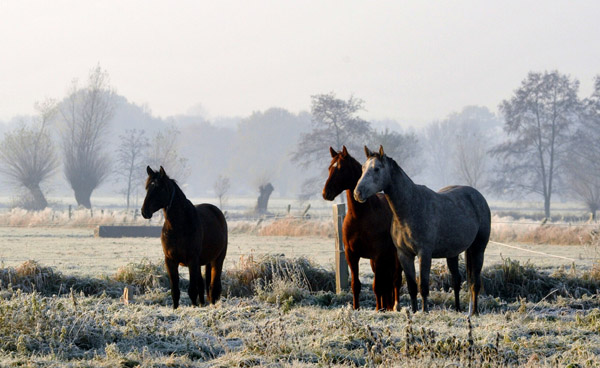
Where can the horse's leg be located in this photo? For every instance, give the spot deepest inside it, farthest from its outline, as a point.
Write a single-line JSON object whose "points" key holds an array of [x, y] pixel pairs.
{"points": [[377, 297], [408, 264], [196, 288], [397, 283], [379, 302], [173, 271], [474, 257], [355, 282], [453, 267], [208, 280], [385, 279], [216, 269], [389, 291], [424, 269]]}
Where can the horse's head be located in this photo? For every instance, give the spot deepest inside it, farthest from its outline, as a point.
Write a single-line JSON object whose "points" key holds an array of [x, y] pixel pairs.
{"points": [[375, 175], [342, 173], [159, 192]]}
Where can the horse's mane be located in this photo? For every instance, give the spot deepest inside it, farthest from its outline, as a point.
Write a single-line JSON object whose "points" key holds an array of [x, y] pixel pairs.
{"points": [[166, 178], [337, 158], [387, 159]]}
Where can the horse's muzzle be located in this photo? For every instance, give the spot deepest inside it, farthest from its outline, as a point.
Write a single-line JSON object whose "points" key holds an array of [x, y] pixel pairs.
{"points": [[358, 196], [146, 214], [327, 195]]}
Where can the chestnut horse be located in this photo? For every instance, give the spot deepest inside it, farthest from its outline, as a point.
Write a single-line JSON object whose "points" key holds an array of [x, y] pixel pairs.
{"points": [[191, 236], [365, 232], [429, 225]]}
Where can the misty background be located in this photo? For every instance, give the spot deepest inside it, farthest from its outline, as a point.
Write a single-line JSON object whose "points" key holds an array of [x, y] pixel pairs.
{"points": [[233, 85]]}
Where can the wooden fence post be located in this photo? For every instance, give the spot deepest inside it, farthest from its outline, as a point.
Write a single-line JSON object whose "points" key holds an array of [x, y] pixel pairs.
{"points": [[341, 266]]}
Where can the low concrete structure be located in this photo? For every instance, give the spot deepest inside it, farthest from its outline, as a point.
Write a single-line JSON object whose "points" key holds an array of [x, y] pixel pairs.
{"points": [[128, 231]]}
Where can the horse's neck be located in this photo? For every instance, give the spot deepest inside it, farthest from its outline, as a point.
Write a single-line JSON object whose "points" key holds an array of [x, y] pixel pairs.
{"points": [[400, 193], [355, 207], [177, 213]]}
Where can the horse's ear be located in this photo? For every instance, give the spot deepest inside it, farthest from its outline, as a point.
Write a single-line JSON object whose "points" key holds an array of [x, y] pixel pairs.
{"points": [[162, 172], [149, 170], [344, 151], [381, 153], [367, 152], [332, 151]]}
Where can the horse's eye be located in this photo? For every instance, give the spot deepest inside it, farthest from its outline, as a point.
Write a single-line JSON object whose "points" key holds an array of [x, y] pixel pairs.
{"points": [[376, 169]]}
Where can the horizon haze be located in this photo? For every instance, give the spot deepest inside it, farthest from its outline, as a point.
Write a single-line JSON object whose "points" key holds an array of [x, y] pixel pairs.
{"points": [[412, 62]]}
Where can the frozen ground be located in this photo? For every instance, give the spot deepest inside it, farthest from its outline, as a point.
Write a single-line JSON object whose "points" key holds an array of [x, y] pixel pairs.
{"points": [[77, 251]]}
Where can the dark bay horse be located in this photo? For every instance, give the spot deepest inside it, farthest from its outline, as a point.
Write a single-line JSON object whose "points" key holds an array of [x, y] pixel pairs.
{"points": [[192, 236], [428, 224], [365, 232]]}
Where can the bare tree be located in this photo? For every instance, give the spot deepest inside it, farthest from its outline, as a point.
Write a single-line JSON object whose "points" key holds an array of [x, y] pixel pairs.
{"points": [[439, 150], [221, 187], [130, 165], [584, 181], [470, 158], [265, 191], [28, 155], [335, 123], [262, 181], [583, 164], [404, 148], [86, 113], [539, 119], [164, 151]]}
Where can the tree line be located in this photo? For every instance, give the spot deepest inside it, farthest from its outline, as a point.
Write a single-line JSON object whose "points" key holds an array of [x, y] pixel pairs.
{"points": [[545, 141], [549, 143], [30, 156]]}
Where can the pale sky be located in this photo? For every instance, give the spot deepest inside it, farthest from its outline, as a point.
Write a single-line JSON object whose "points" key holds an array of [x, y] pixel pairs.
{"points": [[413, 61]]}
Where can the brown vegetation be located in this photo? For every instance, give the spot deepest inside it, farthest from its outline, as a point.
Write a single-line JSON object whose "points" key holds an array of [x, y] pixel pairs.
{"points": [[291, 226], [525, 231]]}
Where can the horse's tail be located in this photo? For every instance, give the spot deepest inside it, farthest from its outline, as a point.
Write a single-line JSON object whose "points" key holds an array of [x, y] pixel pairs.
{"points": [[482, 211]]}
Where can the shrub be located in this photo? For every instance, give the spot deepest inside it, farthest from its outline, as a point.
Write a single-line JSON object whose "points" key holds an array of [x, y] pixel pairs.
{"points": [[278, 275], [30, 276], [145, 275]]}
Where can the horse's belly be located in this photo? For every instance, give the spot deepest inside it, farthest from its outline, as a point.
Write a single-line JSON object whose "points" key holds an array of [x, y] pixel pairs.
{"points": [[447, 253], [451, 247]]}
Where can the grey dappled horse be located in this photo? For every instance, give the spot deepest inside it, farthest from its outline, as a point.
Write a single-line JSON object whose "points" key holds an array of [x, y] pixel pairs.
{"points": [[428, 224]]}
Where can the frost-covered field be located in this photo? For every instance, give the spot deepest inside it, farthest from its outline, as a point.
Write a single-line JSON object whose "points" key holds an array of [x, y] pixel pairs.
{"points": [[543, 314], [77, 251]]}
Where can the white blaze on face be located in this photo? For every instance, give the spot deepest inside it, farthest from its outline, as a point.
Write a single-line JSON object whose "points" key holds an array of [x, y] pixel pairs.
{"points": [[368, 184]]}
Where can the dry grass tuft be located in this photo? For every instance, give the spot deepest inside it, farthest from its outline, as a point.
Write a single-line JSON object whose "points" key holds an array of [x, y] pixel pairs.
{"points": [[145, 275], [30, 276], [81, 217], [507, 229], [275, 277], [292, 226], [511, 280]]}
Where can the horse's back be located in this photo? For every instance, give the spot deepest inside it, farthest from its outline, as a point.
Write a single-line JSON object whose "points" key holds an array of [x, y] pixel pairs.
{"points": [[467, 198], [214, 228]]}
